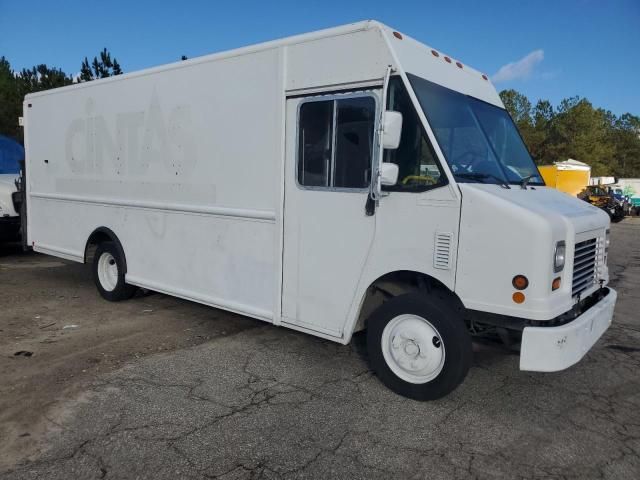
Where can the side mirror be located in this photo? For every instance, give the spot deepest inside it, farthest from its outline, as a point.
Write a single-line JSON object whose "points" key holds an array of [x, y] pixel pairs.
{"points": [[388, 174], [391, 129]]}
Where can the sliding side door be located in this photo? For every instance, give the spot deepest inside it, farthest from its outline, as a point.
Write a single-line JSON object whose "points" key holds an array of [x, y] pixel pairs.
{"points": [[331, 144]]}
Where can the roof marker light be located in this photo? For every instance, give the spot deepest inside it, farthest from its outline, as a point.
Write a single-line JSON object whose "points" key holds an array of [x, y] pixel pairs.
{"points": [[398, 35], [485, 77], [459, 64], [434, 53], [447, 59]]}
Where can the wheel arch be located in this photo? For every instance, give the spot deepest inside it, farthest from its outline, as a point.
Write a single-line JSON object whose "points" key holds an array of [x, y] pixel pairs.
{"points": [[393, 284], [100, 235]]}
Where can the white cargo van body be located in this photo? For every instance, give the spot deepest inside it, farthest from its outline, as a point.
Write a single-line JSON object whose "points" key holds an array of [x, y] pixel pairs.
{"points": [[251, 181]]}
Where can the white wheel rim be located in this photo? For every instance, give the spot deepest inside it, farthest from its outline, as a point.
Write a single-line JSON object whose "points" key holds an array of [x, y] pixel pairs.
{"points": [[107, 271], [413, 348]]}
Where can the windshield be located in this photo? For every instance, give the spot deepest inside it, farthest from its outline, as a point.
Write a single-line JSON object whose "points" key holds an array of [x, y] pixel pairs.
{"points": [[11, 152], [480, 141]]}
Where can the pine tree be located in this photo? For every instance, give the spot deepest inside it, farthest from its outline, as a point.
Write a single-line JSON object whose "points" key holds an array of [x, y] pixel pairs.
{"points": [[85, 71], [102, 66]]}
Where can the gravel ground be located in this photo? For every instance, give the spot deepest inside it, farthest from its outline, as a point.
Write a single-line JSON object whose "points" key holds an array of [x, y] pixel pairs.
{"points": [[255, 401]]}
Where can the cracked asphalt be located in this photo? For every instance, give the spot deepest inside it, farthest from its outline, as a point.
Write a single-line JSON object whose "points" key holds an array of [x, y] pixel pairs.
{"points": [[266, 402]]}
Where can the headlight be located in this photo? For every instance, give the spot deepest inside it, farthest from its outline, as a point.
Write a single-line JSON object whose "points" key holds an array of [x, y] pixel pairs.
{"points": [[559, 256]]}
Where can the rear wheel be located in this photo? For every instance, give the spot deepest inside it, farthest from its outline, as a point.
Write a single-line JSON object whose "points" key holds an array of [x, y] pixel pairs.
{"points": [[418, 346], [108, 273]]}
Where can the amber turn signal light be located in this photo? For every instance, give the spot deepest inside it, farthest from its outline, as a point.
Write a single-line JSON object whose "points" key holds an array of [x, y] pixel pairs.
{"points": [[518, 297], [555, 284], [520, 282]]}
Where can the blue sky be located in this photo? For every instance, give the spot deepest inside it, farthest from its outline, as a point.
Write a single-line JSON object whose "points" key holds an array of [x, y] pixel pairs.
{"points": [[556, 48]]}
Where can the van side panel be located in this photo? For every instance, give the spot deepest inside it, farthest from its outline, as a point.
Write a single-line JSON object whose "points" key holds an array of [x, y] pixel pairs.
{"points": [[338, 60], [183, 165]]}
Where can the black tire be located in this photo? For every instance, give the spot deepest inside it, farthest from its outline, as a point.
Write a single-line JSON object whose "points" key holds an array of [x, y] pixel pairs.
{"points": [[121, 290], [453, 334]]}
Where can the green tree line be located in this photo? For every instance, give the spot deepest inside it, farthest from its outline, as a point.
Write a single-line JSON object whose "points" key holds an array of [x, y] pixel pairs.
{"points": [[14, 85], [575, 129]]}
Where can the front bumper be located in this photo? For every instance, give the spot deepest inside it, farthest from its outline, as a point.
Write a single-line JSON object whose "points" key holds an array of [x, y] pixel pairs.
{"points": [[549, 349]]}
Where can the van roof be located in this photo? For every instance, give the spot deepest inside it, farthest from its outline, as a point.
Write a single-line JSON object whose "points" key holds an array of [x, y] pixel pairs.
{"points": [[409, 54]]}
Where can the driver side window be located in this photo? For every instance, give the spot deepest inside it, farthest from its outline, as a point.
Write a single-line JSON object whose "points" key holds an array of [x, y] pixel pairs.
{"points": [[335, 142], [419, 169]]}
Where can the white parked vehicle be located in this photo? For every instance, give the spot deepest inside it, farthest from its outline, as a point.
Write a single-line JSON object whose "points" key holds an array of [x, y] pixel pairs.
{"points": [[9, 217], [345, 179], [11, 153]]}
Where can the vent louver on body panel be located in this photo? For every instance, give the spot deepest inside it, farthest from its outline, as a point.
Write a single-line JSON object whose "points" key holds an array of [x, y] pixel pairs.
{"points": [[442, 250]]}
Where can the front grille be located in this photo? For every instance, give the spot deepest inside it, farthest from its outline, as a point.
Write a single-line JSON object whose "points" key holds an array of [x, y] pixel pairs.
{"points": [[584, 265]]}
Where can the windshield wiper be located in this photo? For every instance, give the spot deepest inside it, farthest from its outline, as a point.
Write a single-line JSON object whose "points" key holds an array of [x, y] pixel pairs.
{"points": [[525, 181], [482, 176]]}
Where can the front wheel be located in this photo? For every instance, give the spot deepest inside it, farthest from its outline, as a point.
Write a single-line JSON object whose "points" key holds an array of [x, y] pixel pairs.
{"points": [[108, 273], [418, 346]]}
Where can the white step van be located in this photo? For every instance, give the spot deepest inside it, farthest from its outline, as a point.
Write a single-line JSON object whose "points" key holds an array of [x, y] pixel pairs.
{"points": [[346, 179]]}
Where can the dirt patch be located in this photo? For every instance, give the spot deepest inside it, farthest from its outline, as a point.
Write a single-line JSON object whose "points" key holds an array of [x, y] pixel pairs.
{"points": [[57, 335]]}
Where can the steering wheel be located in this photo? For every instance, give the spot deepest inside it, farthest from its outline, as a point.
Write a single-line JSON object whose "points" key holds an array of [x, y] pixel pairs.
{"points": [[474, 158], [418, 179]]}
